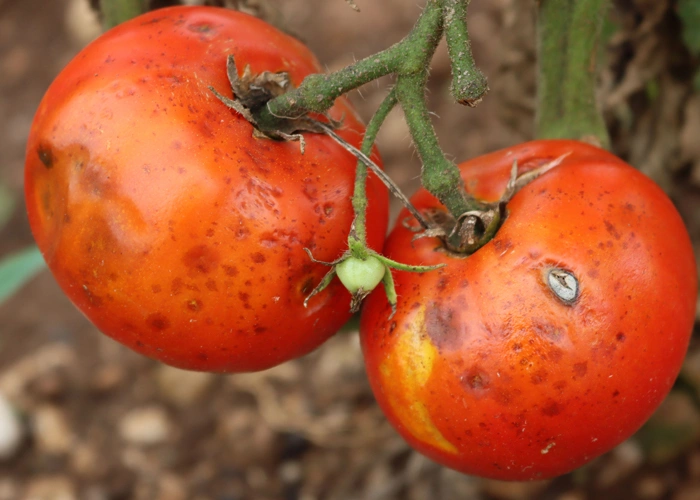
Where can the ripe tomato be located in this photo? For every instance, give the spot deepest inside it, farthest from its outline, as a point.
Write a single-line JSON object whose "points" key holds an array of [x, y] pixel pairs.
{"points": [[485, 369], [173, 228]]}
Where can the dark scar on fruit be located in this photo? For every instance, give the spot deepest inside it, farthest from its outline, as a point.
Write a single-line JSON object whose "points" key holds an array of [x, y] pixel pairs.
{"points": [[45, 156]]}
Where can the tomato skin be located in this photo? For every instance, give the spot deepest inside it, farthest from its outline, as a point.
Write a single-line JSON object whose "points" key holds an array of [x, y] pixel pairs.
{"points": [[484, 370], [171, 227]]}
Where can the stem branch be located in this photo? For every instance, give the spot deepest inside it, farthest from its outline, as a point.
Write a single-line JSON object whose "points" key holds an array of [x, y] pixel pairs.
{"points": [[468, 82], [569, 32], [117, 11]]}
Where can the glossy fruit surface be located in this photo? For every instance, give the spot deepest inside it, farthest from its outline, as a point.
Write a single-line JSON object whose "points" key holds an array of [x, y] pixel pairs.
{"points": [[552, 343], [173, 228]]}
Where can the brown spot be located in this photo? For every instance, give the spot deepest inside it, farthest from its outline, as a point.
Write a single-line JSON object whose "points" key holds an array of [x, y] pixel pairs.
{"points": [[442, 283], [502, 245], [612, 230], [157, 321], [259, 329], [442, 327], [307, 286], [258, 258], [539, 377], [176, 286], [156, 288], [621, 337], [194, 305], [230, 270], [504, 397], [45, 154], [476, 380], [201, 258], [211, 285], [95, 301], [545, 329], [245, 297], [552, 408], [580, 369], [210, 233]]}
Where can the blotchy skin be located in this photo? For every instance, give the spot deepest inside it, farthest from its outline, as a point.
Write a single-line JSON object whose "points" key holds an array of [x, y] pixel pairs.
{"points": [[485, 370], [165, 221]]}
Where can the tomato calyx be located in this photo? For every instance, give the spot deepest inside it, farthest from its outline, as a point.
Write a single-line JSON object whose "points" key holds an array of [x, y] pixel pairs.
{"points": [[251, 92], [360, 270], [465, 234]]}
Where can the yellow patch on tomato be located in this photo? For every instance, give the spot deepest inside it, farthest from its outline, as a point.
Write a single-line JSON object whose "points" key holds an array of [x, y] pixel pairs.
{"points": [[404, 373]]}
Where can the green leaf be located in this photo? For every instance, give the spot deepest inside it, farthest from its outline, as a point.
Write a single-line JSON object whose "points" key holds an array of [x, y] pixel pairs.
{"points": [[7, 205], [689, 14], [17, 269]]}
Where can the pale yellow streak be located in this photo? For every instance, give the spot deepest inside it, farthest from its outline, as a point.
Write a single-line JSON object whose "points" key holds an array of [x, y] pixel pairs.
{"points": [[404, 372]]}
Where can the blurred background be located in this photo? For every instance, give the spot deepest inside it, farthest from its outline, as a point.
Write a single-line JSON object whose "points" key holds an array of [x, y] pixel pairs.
{"points": [[83, 418]]}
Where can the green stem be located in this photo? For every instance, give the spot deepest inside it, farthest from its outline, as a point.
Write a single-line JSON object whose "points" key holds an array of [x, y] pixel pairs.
{"points": [[439, 175], [318, 92], [357, 241], [569, 34], [117, 11], [468, 82]]}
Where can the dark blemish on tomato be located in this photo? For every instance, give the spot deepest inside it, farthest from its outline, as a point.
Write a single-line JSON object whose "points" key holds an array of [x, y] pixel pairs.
{"points": [[554, 355], [259, 329], [593, 273], [476, 380], [203, 356], [201, 28], [194, 305], [242, 232], [258, 258], [547, 330], [442, 327], [552, 409], [539, 377], [310, 190], [157, 321], [307, 286], [502, 245], [328, 209], [243, 296], [580, 369], [503, 397], [517, 347], [392, 327], [621, 337], [616, 393], [211, 286], [560, 385], [201, 259], [156, 288], [230, 270], [95, 301], [46, 156], [176, 286], [442, 283]]}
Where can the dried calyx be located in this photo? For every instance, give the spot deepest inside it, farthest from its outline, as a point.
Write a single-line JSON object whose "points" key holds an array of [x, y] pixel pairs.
{"points": [[253, 91]]}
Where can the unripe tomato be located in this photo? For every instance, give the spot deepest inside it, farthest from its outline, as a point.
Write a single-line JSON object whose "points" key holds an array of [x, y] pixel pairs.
{"points": [[552, 343], [170, 225]]}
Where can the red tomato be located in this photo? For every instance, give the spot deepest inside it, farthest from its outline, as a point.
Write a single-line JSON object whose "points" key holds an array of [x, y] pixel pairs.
{"points": [[486, 370], [173, 228]]}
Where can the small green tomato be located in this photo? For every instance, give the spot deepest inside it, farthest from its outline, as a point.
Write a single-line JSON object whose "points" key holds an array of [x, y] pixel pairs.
{"points": [[360, 274]]}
